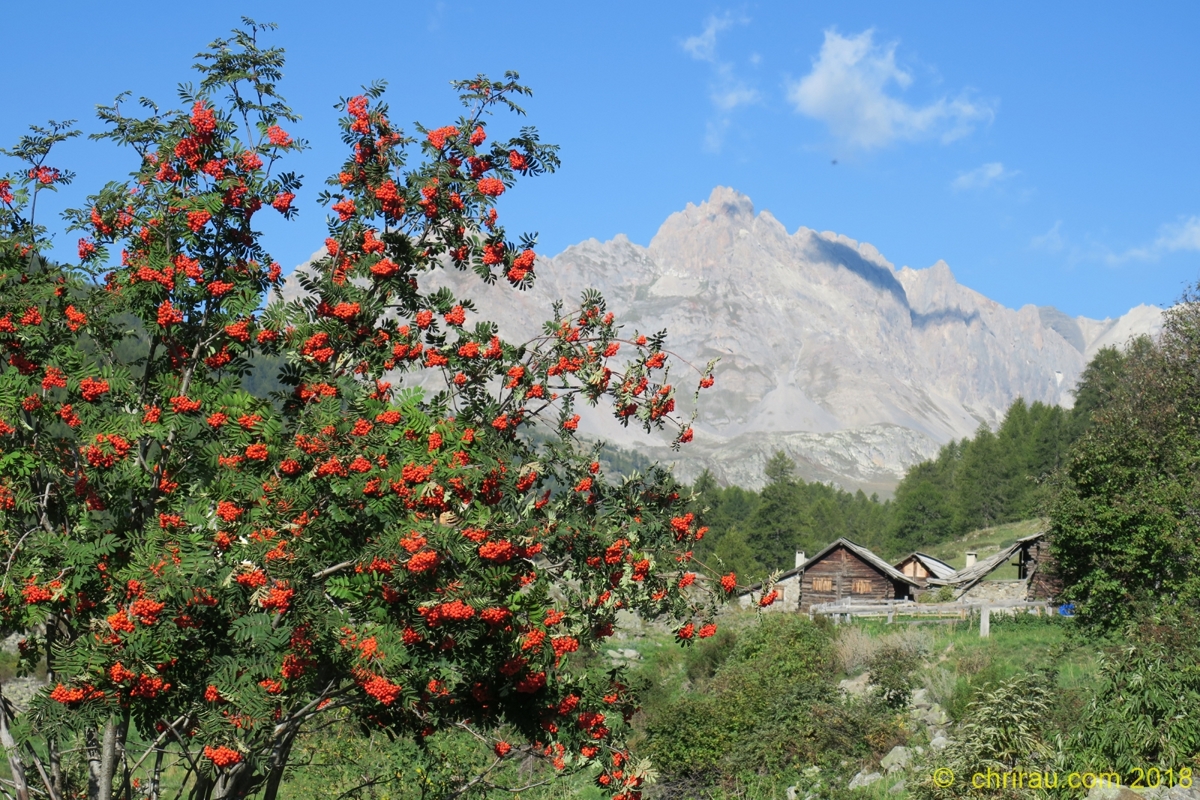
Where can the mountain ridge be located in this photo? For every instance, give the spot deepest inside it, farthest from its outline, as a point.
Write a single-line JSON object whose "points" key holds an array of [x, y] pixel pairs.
{"points": [[828, 352]]}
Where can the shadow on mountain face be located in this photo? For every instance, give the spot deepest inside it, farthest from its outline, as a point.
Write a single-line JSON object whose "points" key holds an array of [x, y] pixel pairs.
{"points": [[875, 275], [943, 315], [1063, 325]]}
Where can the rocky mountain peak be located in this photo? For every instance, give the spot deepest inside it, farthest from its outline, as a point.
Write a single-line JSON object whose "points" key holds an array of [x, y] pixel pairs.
{"points": [[856, 369]]}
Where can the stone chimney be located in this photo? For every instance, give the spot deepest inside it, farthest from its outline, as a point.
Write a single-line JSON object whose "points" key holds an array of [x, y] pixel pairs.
{"points": [[800, 559], [970, 560]]}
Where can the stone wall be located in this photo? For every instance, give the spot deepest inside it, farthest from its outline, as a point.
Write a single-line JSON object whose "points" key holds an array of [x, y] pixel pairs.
{"points": [[996, 591], [789, 596]]}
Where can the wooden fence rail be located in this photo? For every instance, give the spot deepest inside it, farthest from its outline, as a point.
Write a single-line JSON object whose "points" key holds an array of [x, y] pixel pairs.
{"points": [[891, 609]]}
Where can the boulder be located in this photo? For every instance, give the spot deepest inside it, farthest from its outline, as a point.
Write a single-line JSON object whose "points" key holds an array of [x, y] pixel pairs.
{"points": [[1172, 793], [855, 686], [623, 654], [897, 787], [934, 717], [896, 760], [939, 742], [864, 778], [1112, 792], [21, 691]]}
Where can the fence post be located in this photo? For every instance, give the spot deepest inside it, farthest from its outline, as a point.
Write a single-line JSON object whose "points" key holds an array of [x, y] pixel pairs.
{"points": [[985, 622]]}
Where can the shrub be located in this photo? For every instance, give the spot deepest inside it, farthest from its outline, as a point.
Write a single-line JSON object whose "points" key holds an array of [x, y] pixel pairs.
{"points": [[706, 657], [939, 683], [891, 673], [1004, 730], [855, 648], [1143, 712], [771, 708], [782, 662]]}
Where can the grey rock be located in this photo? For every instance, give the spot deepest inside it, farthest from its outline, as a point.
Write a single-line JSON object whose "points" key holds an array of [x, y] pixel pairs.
{"points": [[1112, 792], [855, 368], [864, 778], [20, 691], [920, 699], [9, 645], [898, 786], [1172, 793], [938, 743], [935, 716], [623, 654], [855, 686], [791, 793], [896, 760]]}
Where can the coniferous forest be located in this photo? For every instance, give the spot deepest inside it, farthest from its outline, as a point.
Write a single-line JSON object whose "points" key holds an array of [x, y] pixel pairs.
{"points": [[989, 479]]}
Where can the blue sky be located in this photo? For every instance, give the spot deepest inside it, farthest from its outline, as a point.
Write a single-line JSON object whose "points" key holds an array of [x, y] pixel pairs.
{"points": [[1047, 152]]}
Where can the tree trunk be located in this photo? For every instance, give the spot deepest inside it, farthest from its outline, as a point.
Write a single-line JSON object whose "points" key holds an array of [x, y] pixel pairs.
{"points": [[156, 777], [52, 754], [92, 745], [201, 788], [279, 759], [20, 786], [233, 782], [112, 750]]}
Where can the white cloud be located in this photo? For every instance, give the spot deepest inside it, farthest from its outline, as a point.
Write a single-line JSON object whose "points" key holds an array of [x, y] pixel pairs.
{"points": [[1172, 237], [714, 135], [703, 47], [726, 90], [1183, 235], [1175, 237], [848, 91], [982, 176], [1050, 241]]}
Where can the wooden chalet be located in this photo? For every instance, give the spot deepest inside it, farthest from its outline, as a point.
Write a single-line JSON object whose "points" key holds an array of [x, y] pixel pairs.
{"points": [[922, 567], [845, 570]]}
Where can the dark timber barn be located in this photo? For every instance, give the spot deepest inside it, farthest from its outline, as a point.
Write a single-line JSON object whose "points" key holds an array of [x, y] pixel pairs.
{"points": [[845, 570]]}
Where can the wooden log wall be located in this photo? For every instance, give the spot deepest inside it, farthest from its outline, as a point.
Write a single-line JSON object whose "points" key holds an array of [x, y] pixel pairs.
{"points": [[1044, 583], [843, 572]]}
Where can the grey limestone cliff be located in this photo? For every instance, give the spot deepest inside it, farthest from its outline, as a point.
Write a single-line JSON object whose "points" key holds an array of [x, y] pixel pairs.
{"points": [[856, 369]]}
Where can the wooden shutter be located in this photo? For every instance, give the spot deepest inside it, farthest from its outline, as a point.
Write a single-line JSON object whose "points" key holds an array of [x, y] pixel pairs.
{"points": [[822, 584], [860, 586]]}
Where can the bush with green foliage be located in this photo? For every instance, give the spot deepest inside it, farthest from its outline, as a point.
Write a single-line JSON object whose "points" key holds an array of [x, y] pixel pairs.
{"points": [[1145, 708], [772, 707], [1125, 532], [891, 672], [1005, 729]]}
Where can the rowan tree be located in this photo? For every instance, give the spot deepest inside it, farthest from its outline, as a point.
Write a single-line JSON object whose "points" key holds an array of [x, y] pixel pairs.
{"points": [[208, 571]]}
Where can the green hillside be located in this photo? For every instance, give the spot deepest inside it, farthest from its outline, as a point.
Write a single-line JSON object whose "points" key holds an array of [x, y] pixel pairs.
{"points": [[986, 542]]}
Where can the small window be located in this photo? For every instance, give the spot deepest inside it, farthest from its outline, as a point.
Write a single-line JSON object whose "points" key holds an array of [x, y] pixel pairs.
{"points": [[860, 587], [822, 584]]}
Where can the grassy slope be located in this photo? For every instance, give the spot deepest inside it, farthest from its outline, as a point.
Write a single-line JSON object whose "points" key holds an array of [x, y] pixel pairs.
{"points": [[985, 542]]}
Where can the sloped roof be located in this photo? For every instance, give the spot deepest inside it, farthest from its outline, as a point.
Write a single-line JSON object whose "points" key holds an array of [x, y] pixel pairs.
{"points": [[969, 577], [936, 567], [858, 550]]}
